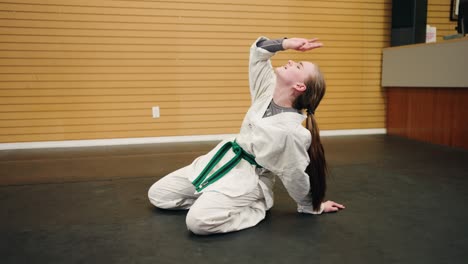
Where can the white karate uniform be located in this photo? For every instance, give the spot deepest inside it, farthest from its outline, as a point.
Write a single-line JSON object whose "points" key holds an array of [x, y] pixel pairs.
{"points": [[240, 198]]}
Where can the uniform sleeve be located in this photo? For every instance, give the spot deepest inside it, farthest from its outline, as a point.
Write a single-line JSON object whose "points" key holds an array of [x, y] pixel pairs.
{"points": [[272, 45], [261, 73], [285, 154]]}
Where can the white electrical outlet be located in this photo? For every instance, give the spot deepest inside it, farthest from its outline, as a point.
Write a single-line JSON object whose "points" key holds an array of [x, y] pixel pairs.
{"points": [[155, 111]]}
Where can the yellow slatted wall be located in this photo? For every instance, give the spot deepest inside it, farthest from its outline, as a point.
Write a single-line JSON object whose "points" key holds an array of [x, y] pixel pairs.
{"points": [[438, 15], [92, 69]]}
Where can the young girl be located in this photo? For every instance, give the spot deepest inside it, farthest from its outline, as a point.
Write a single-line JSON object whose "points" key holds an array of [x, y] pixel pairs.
{"points": [[231, 187]]}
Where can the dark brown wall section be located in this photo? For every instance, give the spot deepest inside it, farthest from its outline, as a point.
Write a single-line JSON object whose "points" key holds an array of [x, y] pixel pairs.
{"points": [[436, 115]]}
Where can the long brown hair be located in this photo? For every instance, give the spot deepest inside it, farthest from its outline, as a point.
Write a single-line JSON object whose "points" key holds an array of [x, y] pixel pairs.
{"points": [[317, 169]]}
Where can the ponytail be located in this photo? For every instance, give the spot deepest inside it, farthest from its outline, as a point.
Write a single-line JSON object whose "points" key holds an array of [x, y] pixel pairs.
{"points": [[317, 168]]}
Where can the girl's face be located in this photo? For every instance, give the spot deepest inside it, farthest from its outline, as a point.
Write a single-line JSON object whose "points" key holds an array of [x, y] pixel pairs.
{"points": [[295, 72]]}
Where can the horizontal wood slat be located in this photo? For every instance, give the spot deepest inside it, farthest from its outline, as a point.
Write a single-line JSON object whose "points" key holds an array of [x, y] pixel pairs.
{"points": [[160, 69], [157, 76], [178, 56], [169, 8], [164, 132], [343, 93], [369, 4], [148, 49], [371, 48], [180, 39], [190, 31], [330, 65], [167, 105], [77, 126], [40, 125], [168, 18], [165, 83], [159, 23], [323, 112]]}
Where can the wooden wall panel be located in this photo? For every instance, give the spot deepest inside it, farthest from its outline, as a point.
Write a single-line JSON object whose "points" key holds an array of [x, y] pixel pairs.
{"points": [[435, 115], [92, 69], [397, 112], [460, 119], [420, 104], [443, 114]]}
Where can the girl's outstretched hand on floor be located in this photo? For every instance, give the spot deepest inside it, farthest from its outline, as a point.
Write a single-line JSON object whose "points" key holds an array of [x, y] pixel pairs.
{"points": [[331, 206]]}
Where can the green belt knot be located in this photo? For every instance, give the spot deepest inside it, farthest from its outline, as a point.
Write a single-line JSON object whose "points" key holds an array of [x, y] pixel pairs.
{"points": [[202, 182]]}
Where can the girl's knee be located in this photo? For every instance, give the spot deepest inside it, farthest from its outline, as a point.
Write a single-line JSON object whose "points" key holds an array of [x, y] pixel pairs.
{"points": [[170, 196], [198, 221], [195, 223], [156, 196], [204, 220]]}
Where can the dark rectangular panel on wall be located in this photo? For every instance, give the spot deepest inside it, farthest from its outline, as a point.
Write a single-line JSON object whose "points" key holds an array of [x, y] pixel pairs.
{"points": [[408, 22]]}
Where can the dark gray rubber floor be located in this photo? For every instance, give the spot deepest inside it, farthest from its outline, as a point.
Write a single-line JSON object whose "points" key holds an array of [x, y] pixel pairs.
{"points": [[406, 203]]}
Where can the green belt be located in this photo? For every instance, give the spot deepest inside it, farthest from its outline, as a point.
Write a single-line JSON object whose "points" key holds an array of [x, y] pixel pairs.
{"points": [[201, 182]]}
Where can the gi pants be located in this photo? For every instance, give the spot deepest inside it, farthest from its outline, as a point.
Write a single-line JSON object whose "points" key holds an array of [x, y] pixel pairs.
{"points": [[210, 211]]}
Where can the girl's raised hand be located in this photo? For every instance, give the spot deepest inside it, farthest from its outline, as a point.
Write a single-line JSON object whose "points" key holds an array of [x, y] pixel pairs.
{"points": [[301, 44]]}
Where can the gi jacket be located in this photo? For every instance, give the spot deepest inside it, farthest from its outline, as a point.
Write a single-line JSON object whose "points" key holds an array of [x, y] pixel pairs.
{"points": [[279, 144]]}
